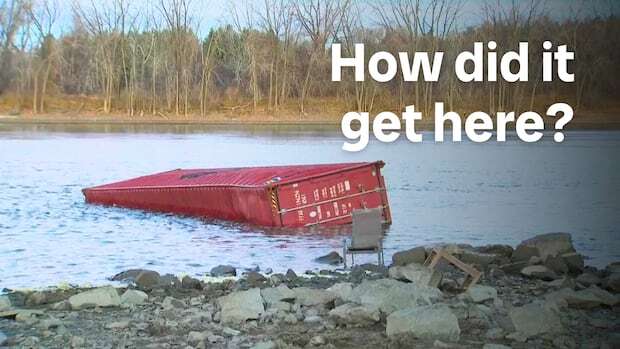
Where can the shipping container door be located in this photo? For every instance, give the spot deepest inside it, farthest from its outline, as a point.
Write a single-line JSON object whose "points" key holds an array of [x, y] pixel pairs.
{"points": [[330, 199]]}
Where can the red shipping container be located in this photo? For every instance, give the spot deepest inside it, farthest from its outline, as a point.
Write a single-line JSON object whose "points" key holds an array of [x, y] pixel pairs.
{"points": [[293, 196]]}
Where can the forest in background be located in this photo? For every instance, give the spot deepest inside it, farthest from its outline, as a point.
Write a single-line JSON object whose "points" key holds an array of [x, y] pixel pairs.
{"points": [[270, 59]]}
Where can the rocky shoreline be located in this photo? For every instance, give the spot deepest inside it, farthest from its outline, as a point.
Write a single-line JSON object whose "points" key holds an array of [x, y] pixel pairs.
{"points": [[538, 294]]}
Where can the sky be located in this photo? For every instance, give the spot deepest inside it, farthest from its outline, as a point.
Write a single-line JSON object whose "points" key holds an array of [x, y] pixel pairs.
{"points": [[213, 13]]}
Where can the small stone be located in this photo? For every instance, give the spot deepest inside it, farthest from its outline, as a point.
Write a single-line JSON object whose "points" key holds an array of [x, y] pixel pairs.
{"points": [[314, 319], [612, 282], [268, 271], [495, 333], [318, 340], [229, 332], [291, 275], [213, 338], [5, 303], [195, 337], [77, 342], [51, 323], [255, 279], [190, 283], [223, 270], [495, 346], [118, 325], [61, 306], [481, 293], [265, 345], [332, 258], [539, 272], [290, 319], [170, 303]]}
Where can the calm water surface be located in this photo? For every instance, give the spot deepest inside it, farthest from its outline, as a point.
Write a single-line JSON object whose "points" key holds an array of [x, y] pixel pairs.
{"points": [[470, 193]]}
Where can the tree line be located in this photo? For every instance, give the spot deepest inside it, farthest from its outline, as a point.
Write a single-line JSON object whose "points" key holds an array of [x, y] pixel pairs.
{"points": [[156, 58]]}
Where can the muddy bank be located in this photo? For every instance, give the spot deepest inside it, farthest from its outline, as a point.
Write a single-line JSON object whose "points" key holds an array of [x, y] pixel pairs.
{"points": [[537, 294]]}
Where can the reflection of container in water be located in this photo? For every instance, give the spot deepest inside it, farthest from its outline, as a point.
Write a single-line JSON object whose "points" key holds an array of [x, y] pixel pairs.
{"points": [[298, 195]]}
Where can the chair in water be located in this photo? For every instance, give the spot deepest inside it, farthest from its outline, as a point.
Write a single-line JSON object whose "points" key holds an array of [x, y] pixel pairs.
{"points": [[367, 235]]}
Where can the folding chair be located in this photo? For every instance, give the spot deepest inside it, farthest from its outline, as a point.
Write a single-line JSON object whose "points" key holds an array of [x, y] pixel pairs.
{"points": [[367, 235]]}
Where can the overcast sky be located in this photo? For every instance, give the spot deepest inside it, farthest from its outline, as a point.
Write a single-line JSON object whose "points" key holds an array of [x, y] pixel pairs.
{"points": [[211, 13]]}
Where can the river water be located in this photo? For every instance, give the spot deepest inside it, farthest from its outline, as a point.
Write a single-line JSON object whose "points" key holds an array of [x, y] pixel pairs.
{"points": [[465, 192]]}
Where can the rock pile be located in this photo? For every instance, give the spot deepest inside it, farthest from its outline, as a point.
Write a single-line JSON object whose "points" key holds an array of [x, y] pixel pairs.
{"points": [[537, 295]]}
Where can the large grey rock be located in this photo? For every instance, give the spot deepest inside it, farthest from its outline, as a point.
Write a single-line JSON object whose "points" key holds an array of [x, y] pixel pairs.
{"points": [[332, 258], [425, 322], [355, 315], [499, 250], [274, 295], [539, 272], [5, 303], [612, 282], [415, 273], [613, 267], [98, 297], [574, 262], [544, 245], [414, 255], [311, 297], [588, 279], [133, 297], [524, 253], [591, 297], [514, 267], [556, 264], [478, 258], [147, 279], [481, 293], [223, 270], [240, 306], [534, 319], [389, 295], [342, 290], [127, 275]]}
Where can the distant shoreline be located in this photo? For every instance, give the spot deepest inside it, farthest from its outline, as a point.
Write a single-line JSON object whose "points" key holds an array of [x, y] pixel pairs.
{"points": [[587, 122]]}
